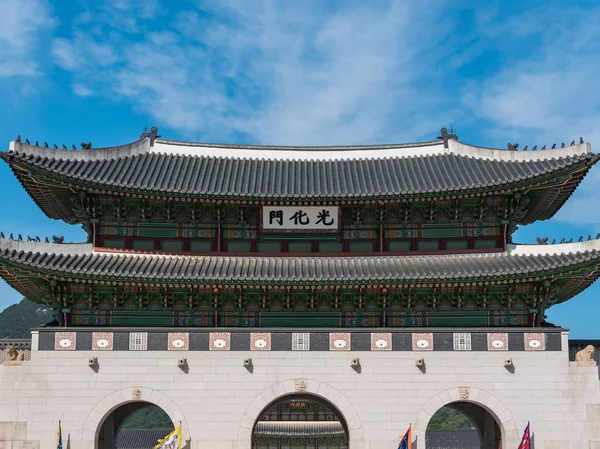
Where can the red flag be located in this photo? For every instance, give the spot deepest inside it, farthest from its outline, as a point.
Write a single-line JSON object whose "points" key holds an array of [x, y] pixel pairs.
{"points": [[526, 441]]}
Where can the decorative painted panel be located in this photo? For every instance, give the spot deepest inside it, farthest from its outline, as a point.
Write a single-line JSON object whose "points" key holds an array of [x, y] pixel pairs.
{"points": [[102, 341], [193, 231], [381, 341], [220, 341], [339, 341], [462, 341], [65, 341], [178, 341], [138, 341], [535, 342], [119, 228], [300, 341], [498, 342], [260, 341], [358, 234], [422, 342], [240, 234], [480, 229]]}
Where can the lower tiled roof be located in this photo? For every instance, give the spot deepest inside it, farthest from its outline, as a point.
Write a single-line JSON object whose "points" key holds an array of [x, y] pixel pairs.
{"points": [[80, 261]]}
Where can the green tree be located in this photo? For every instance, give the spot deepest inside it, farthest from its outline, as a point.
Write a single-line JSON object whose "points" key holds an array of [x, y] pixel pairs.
{"points": [[447, 418], [16, 321]]}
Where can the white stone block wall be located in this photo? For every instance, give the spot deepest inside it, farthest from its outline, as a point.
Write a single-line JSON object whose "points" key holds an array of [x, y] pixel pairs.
{"points": [[218, 400]]}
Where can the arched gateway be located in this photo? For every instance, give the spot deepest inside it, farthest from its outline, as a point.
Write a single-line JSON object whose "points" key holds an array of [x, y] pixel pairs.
{"points": [[489, 434], [298, 422], [113, 422]]}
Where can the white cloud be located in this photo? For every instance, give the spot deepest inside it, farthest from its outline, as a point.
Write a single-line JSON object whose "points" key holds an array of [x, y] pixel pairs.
{"points": [[550, 95], [22, 24], [273, 72], [64, 54], [82, 91]]}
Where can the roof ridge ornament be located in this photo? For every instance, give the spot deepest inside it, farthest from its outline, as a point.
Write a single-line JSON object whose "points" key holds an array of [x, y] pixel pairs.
{"points": [[446, 135], [152, 135]]}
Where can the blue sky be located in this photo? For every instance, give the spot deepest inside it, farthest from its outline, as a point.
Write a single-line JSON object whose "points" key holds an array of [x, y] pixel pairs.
{"points": [[304, 73]]}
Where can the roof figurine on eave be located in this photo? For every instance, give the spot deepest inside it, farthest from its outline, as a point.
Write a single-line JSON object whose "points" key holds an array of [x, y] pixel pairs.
{"points": [[324, 175]]}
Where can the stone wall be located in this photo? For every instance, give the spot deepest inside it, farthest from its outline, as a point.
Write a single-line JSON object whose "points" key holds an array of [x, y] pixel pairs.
{"points": [[218, 400]]}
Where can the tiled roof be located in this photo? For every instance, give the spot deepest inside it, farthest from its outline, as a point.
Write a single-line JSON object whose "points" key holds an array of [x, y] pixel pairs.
{"points": [[20, 344], [229, 177], [140, 438], [299, 429], [452, 439], [80, 260]]}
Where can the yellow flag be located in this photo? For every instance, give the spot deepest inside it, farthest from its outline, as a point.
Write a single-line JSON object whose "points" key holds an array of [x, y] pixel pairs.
{"points": [[59, 438], [171, 441]]}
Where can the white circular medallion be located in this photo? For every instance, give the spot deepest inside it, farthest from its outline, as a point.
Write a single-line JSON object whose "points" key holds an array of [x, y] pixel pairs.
{"points": [[422, 344], [498, 344], [102, 343], [65, 343], [219, 343], [381, 343], [260, 343], [339, 344], [178, 343], [534, 344]]}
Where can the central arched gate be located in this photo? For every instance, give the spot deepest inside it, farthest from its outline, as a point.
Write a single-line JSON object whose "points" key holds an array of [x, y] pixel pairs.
{"points": [[300, 422]]}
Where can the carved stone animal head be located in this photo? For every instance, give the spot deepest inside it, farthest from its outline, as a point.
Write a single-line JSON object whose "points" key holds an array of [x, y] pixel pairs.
{"points": [[586, 354], [12, 354]]}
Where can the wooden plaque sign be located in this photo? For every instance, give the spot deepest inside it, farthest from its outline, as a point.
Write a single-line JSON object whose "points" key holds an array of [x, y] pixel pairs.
{"points": [[300, 218]]}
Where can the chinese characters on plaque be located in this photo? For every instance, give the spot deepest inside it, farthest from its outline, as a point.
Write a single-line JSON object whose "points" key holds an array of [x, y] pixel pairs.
{"points": [[308, 218]]}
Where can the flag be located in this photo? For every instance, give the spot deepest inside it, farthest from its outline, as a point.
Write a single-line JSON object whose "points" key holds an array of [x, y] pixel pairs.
{"points": [[406, 442], [171, 441], [59, 437], [526, 441]]}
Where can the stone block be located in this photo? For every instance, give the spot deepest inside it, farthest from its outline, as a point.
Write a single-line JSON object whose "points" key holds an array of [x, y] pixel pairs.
{"points": [[10, 430], [591, 431], [20, 430], [26, 445], [592, 413]]}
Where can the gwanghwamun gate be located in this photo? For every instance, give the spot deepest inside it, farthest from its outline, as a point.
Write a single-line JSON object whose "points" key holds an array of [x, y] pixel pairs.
{"points": [[299, 297]]}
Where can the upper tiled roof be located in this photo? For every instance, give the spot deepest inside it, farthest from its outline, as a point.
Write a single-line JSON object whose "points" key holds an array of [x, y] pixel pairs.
{"points": [[231, 171]]}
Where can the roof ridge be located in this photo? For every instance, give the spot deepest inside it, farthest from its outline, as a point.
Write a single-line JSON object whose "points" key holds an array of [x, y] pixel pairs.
{"points": [[302, 153], [554, 249], [87, 248]]}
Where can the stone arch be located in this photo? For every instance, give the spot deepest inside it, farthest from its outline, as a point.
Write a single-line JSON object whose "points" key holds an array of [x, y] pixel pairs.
{"points": [[113, 401], [469, 395], [300, 386]]}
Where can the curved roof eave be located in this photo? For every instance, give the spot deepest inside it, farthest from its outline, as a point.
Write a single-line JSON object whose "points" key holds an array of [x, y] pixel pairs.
{"points": [[517, 259], [320, 153]]}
